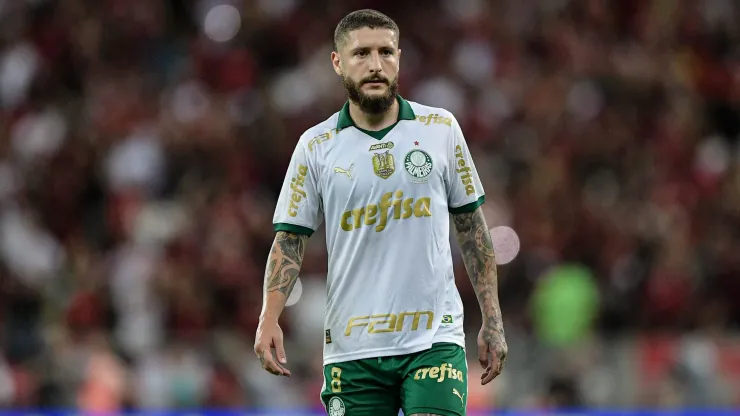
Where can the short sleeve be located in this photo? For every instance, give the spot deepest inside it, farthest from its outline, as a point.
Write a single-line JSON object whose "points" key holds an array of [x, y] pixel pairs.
{"points": [[298, 208], [464, 189]]}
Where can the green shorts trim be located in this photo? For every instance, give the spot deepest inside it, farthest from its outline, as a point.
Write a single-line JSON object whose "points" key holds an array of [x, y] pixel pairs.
{"points": [[430, 381]]}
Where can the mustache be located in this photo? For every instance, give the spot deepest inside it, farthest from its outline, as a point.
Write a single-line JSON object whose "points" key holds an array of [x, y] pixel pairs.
{"points": [[374, 79]]}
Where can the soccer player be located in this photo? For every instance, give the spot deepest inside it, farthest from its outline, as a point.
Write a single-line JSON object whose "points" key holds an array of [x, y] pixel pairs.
{"points": [[385, 174]]}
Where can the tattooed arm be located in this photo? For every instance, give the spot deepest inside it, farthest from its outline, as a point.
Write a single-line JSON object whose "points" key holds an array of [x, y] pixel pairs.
{"points": [[480, 262], [283, 265]]}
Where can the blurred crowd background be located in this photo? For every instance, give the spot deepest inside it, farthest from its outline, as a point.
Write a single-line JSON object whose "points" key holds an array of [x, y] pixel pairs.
{"points": [[142, 144]]}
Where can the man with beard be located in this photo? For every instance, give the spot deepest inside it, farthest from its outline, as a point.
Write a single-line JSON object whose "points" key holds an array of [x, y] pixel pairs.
{"points": [[384, 173]]}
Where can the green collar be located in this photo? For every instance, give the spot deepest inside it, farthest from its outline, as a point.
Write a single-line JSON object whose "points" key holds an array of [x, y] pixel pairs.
{"points": [[405, 112]]}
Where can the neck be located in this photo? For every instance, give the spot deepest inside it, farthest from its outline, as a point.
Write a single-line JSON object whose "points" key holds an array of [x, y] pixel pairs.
{"points": [[373, 122]]}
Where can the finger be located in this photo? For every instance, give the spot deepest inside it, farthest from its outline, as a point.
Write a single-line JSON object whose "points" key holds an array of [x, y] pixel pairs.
{"points": [[500, 367], [264, 353], [280, 351], [282, 359], [483, 356], [283, 371], [500, 360], [488, 375], [266, 367], [493, 371], [269, 364], [486, 371], [488, 378], [278, 369]]}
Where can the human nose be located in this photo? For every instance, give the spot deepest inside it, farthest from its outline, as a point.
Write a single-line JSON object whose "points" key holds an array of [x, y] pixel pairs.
{"points": [[375, 66]]}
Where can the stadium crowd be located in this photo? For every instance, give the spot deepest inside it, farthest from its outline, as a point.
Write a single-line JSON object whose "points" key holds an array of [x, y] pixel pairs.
{"points": [[140, 161]]}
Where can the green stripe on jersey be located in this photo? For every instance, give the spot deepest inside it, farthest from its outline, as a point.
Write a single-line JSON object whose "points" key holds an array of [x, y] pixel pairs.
{"points": [[291, 228], [468, 207]]}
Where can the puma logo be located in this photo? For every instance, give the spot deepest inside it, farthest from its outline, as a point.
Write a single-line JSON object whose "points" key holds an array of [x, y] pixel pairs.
{"points": [[347, 172], [457, 393]]}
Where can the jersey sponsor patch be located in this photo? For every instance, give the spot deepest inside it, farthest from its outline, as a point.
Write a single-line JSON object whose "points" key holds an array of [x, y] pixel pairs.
{"points": [[440, 373], [464, 170], [381, 146], [321, 139], [391, 322], [298, 191], [434, 119], [392, 206]]}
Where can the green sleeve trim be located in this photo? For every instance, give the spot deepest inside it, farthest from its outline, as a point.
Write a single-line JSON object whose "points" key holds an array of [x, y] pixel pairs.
{"points": [[468, 207], [291, 228]]}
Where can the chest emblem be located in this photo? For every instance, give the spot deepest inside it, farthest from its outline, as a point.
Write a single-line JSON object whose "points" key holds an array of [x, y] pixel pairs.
{"points": [[384, 164], [418, 164]]}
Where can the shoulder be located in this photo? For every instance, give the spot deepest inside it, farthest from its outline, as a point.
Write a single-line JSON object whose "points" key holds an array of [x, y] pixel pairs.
{"points": [[428, 115], [320, 133]]}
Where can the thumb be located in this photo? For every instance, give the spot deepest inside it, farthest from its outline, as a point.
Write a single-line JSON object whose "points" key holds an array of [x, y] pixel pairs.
{"points": [[280, 350]]}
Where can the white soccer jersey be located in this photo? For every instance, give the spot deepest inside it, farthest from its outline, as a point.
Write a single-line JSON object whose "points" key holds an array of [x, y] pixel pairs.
{"points": [[390, 283]]}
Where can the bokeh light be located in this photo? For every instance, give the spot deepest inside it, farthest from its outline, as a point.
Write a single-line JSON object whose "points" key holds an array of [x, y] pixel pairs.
{"points": [[505, 244], [222, 23]]}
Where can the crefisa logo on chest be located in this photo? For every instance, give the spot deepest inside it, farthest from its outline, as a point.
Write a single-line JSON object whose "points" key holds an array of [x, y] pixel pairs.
{"points": [[418, 164]]}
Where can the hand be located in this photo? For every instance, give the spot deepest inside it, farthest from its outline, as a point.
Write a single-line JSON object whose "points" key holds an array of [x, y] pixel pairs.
{"points": [[269, 336], [492, 351]]}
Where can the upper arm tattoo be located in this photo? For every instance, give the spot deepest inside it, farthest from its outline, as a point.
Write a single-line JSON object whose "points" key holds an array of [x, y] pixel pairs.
{"points": [[284, 262]]}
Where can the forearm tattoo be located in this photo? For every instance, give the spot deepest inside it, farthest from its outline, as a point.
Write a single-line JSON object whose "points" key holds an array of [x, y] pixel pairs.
{"points": [[480, 262], [284, 262]]}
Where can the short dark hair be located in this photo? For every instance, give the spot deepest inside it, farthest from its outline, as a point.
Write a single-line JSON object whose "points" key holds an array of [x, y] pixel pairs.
{"points": [[359, 19]]}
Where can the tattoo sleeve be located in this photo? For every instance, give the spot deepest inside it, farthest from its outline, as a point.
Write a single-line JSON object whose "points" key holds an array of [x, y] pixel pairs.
{"points": [[480, 262], [284, 263]]}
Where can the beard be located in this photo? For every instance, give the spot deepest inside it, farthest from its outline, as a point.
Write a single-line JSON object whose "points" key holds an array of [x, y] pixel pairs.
{"points": [[376, 104]]}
